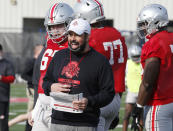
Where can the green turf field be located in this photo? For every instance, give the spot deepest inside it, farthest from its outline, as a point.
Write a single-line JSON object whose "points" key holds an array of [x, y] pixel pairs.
{"points": [[18, 90]]}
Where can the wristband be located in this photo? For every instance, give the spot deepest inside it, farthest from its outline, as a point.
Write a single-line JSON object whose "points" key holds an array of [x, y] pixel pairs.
{"points": [[138, 105]]}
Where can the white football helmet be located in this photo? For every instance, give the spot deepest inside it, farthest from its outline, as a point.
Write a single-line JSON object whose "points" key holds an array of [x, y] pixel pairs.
{"points": [[58, 14], [90, 10], [134, 52], [151, 18]]}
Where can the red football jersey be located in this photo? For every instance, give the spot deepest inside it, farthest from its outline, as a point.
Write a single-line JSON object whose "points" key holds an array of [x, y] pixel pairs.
{"points": [[50, 51], [109, 42], [161, 46]]}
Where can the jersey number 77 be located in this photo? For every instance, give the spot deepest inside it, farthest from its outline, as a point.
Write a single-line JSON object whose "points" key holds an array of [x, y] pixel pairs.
{"points": [[113, 45]]}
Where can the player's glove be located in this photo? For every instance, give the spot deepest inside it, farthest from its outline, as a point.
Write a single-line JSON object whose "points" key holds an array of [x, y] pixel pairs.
{"points": [[136, 114], [114, 123]]}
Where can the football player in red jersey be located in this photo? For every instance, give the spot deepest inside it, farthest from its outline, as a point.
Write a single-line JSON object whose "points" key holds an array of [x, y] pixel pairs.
{"points": [[156, 88], [109, 42], [58, 17]]}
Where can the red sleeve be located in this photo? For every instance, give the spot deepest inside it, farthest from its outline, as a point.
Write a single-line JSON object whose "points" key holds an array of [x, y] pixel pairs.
{"points": [[153, 49], [8, 79]]}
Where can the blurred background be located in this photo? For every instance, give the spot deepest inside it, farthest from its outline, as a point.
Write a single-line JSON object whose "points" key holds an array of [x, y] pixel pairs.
{"points": [[22, 23], [22, 27]]}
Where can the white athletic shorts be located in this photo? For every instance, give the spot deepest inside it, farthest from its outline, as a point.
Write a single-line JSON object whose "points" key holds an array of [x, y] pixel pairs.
{"points": [[42, 114], [131, 97]]}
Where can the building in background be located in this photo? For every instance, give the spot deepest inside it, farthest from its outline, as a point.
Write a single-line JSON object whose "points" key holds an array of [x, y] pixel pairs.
{"points": [[17, 14], [22, 23]]}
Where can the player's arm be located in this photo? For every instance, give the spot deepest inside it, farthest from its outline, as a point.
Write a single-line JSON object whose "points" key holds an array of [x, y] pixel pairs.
{"points": [[151, 72]]}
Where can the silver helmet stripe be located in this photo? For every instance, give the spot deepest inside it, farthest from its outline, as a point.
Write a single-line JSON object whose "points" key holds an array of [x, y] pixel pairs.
{"points": [[52, 12]]}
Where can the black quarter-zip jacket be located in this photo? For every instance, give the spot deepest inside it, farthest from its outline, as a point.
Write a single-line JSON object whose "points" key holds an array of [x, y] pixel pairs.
{"points": [[90, 74]]}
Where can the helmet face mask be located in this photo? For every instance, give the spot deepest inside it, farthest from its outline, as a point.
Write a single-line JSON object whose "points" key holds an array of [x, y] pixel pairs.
{"points": [[56, 21], [57, 32], [142, 29], [135, 58], [151, 19]]}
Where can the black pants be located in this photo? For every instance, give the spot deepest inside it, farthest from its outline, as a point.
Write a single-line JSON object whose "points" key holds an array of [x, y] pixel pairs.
{"points": [[4, 110], [28, 127]]}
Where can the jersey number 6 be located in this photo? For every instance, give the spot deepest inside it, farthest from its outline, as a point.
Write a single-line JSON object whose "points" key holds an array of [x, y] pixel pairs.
{"points": [[45, 59]]}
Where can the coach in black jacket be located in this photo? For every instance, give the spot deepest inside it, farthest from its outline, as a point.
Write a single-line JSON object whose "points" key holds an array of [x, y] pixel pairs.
{"points": [[7, 76], [82, 70]]}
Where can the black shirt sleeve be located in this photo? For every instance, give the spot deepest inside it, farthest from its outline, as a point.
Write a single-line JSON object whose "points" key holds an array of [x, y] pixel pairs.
{"points": [[106, 87], [10, 69], [28, 71], [36, 71], [36, 74], [6, 70]]}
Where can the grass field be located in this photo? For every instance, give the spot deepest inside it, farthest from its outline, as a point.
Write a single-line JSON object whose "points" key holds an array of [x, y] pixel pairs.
{"points": [[18, 90]]}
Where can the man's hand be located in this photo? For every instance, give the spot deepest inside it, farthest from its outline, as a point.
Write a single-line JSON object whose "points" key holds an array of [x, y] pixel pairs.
{"points": [[58, 87], [80, 104], [30, 120], [137, 115], [0, 77]]}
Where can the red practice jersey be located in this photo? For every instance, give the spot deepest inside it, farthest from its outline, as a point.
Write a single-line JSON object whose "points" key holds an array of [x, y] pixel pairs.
{"points": [[109, 42], [50, 51], [161, 46]]}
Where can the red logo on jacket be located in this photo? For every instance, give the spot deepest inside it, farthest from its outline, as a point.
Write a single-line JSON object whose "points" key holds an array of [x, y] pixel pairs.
{"points": [[71, 69]]}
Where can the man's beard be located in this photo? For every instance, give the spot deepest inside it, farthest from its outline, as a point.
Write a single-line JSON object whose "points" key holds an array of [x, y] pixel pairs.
{"points": [[78, 50]]}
